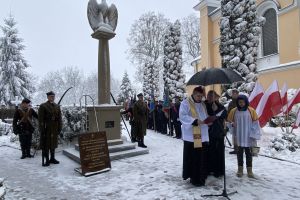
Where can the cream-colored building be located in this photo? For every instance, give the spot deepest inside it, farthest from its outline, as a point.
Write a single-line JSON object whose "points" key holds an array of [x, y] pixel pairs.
{"points": [[279, 48]]}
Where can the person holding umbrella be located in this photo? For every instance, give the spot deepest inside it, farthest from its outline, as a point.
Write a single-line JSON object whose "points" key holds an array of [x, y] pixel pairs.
{"points": [[212, 76], [194, 119]]}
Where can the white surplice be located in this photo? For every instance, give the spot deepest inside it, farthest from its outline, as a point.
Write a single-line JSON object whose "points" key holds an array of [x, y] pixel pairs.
{"points": [[186, 119]]}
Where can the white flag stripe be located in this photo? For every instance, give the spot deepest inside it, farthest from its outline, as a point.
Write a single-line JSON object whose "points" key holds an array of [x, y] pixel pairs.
{"points": [[272, 88], [291, 100], [283, 90], [298, 118], [258, 88]]}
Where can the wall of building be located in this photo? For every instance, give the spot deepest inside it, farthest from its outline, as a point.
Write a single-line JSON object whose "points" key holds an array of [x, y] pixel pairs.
{"points": [[291, 77], [289, 36]]}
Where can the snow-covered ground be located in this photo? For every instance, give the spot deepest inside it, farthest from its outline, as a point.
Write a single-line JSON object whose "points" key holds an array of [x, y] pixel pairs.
{"points": [[156, 175]]}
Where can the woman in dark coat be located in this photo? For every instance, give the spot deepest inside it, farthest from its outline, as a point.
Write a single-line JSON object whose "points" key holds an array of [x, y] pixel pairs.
{"points": [[216, 134]]}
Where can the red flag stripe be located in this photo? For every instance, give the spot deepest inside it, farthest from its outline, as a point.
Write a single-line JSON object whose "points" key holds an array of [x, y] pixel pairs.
{"points": [[254, 103], [270, 104]]}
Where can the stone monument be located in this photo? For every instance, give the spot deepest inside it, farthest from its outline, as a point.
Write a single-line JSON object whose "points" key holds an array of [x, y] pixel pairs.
{"points": [[103, 20]]}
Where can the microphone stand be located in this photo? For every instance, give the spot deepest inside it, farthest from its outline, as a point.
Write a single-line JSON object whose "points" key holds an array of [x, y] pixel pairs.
{"points": [[224, 193]]}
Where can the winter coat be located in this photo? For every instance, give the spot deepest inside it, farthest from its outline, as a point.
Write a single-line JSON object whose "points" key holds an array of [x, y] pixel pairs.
{"points": [[50, 124], [22, 121], [140, 113], [216, 130], [231, 105]]}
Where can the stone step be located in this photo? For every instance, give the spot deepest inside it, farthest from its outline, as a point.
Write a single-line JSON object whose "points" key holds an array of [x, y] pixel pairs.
{"points": [[114, 142], [74, 154], [115, 148]]}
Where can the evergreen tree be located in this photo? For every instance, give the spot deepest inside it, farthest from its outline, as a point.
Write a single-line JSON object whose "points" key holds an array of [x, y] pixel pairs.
{"points": [[125, 89], [240, 30], [14, 80], [151, 80], [173, 74]]}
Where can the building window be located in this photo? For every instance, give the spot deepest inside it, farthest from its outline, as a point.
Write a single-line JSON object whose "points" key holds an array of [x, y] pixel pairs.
{"points": [[269, 33]]}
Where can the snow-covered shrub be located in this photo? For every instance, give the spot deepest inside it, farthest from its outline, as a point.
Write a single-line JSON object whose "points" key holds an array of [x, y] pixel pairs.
{"points": [[4, 128], [73, 122], [287, 141]]}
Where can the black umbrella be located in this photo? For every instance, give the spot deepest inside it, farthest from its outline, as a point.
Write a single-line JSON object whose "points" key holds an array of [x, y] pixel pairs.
{"points": [[213, 76]]}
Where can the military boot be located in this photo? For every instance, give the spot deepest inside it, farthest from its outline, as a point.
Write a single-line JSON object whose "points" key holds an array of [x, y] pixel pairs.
{"points": [[23, 154], [250, 173], [240, 171], [28, 153], [45, 155], [52, 159], [141, 144]]}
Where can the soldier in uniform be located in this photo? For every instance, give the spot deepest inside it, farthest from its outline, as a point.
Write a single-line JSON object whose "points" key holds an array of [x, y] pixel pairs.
{"points": [[50, 122], [140, 119], [22, 126]]}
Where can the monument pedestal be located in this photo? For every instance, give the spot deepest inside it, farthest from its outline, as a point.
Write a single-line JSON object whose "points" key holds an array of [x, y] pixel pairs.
{"points": [[109, 120]]}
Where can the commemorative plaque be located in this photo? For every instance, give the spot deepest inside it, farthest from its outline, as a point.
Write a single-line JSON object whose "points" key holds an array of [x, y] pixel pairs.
{"points": [[94, 154]]}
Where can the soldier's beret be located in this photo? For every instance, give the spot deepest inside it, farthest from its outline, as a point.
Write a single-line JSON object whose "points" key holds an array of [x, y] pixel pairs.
{"points": [[140, 95], [50, 93], [25, 100]]}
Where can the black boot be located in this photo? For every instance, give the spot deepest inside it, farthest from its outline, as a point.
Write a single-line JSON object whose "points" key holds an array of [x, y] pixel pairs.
{"points": [[52, 159], [23, 154], [28, 153], [141, 144], [45, 154]]}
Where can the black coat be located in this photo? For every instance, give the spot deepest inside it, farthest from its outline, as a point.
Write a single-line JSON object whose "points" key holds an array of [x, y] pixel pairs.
{"points": [[22, 121], [216, 130]]}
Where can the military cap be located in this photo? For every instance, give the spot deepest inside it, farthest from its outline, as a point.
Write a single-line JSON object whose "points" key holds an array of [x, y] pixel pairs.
{"points": [[50, 93], [25, 100]]}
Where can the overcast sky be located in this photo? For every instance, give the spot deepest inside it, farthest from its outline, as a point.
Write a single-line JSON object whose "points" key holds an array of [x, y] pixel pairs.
{"points": [[57, 33]]}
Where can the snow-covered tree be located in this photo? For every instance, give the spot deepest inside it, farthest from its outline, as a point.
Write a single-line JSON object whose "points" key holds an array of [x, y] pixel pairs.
{"points": [[145, 42], [240, 29], [151, 80], [14, 79], [125, 89], [190, 34], [60, 80], [173, 75]]}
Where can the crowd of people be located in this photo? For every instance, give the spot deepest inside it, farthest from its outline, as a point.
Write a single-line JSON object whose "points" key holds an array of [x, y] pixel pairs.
{"points": [[200, 120], [157, 117], [204, 123]]}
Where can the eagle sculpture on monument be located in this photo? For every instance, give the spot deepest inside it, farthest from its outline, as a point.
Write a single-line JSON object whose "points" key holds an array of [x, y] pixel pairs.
{"points": [[101, 17]]}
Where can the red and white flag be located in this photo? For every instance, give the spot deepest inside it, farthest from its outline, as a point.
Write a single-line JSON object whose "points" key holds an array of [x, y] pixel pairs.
{"points": [[283, 94], [269, 105], [294, 100], [256, 95], [297, 122]]}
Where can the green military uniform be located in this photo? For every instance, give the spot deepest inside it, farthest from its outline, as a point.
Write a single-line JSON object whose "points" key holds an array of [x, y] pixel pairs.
{"points": [[140, 120], [50, 123]]}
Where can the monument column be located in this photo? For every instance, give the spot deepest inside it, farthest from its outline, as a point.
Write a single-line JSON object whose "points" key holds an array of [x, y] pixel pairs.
{"points": [[103, 65], [104, 116]]}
